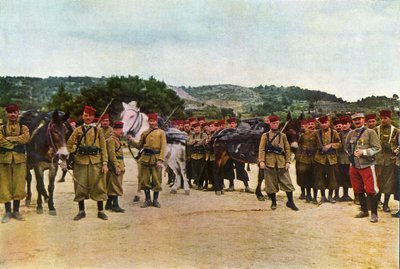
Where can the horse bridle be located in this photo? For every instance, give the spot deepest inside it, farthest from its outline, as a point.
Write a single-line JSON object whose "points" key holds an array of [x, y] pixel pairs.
{"points": [[137, 124], [49, 137]]}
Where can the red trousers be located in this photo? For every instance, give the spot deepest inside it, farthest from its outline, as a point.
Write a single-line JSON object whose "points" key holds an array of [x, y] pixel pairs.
{"points": [[364, 180]]}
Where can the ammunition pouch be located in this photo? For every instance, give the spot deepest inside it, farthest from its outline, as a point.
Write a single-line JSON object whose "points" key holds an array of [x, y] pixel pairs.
{"points": [[330, 151], [17, 149], [276, 150], [89, 150], [147, 151]]}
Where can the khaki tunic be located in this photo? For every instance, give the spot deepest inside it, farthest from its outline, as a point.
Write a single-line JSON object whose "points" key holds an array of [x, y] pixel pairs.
{"points": [[330, 159], [275, 175], [385, 160], [107, 132], [305, 158], [115, 159], [87, 168], [150, 176], [12, 164], [197, 141], [395, 144]]}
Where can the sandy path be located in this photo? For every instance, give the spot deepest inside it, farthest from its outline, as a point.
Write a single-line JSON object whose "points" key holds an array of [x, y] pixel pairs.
{"points": [[199, 231]]}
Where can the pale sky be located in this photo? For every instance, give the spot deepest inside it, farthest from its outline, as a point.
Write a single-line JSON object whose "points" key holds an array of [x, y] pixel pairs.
{"points": [[347, 48]]}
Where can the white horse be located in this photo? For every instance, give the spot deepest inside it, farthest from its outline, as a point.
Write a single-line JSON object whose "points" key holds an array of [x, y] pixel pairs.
{"points": [[136, 122]]}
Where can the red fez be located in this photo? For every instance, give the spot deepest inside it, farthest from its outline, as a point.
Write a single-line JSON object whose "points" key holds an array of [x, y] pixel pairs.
{"points": [[222, 122], [211, 123], [89, 110], [385, 113], [196, 124], [201, 119], [118, 124], [217, 124], [71, 120], [186, 122], [336, 122], [96, 119], [191, 119], [231, 120], [12, 108], [273, 118], [152, 116], [323, 119], [105, 117], [303, 122], [344, 119], [370, 117], [310, 120], [204, 124]]}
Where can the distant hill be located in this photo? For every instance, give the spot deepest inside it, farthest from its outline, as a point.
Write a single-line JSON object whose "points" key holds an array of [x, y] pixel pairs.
{"points": [[203, 100]]}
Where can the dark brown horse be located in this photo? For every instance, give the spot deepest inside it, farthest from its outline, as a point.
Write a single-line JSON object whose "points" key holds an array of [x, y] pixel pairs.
{"points": [[46, 148]]}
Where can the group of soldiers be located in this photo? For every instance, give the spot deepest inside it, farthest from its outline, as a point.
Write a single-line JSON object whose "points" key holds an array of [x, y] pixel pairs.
{"points": [[364, 157]]}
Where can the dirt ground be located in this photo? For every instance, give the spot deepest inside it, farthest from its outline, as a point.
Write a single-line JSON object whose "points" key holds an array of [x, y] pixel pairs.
{"points": [[202, 230]]}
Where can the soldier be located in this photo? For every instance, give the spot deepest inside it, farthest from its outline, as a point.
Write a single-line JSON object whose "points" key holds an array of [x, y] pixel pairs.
{"points": [[337, 125], [385, 162], [344, 162], [116, 169], [210, 156], [274, 158], [371, 120], [88, 145], [13, 138], [304, 162], [395, 145], [105, 126], [196, 143], [325, 160], [361, 145], [152, 144]]}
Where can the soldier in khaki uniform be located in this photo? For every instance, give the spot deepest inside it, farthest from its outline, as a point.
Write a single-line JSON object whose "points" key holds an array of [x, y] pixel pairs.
{"points": [[197, 145], [343, 162], [105, 126], [305, 159], [385, 161], [274, 158], [116, 168], [325, 160], [88, 145], [13, 138], [152, 144], [395, 145], [371, 120]]}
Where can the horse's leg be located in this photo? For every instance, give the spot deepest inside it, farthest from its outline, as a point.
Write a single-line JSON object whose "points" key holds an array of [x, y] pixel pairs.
{"points": [[39, 187], [62, 179], [52, 177], [28, 199]]}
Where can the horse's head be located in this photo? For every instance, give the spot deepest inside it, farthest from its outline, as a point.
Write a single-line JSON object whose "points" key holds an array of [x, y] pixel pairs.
{"points": [[292, 131], [56, 135], [134, 121]]}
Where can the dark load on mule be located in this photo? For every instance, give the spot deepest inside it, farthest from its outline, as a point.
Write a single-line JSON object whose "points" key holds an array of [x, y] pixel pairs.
{"points": [[174, 135], [241, 143]]}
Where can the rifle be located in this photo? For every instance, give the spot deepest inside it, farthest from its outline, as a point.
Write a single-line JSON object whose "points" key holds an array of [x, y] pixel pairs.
{"points": [[104, 112]]}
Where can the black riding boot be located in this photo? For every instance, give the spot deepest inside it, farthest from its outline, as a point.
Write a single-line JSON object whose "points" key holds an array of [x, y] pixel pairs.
{"points": [[273, 199], [116, 207], [386, 207], [155, 200], [363, 203], [374, 208], [290, 202], [109, 203], [147, 202]]}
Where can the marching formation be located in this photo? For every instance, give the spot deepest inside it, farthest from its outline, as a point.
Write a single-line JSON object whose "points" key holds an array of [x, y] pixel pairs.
{"points": [[351, 151]]}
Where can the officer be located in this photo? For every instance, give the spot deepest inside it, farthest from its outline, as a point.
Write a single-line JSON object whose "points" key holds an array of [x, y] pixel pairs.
{"points": [[385, 161], [13, 138], [274, 158], [88, 145], [361, 145], [152, 145], [116, 169]]}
